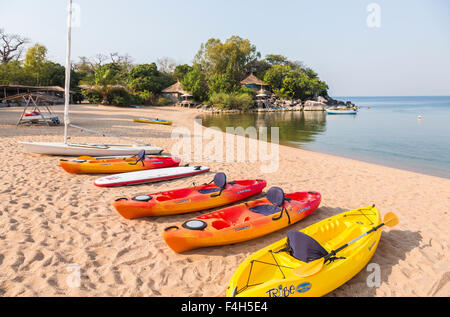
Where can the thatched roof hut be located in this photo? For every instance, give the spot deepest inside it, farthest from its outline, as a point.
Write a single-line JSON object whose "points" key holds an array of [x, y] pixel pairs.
{"points": [[175, 92], [14, 90], [255, 83]]}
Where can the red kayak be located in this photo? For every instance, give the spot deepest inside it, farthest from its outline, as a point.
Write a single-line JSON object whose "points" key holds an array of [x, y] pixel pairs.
{"points": [[191, 199], [242, 222]]}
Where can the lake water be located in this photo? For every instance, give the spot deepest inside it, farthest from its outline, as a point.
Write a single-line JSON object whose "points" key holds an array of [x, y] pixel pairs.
{"points": [[385, 131]]}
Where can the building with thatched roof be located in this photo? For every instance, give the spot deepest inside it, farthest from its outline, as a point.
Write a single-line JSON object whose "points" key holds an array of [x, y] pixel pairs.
{"points": [[255, 84], [175, 92], [52, 91]]}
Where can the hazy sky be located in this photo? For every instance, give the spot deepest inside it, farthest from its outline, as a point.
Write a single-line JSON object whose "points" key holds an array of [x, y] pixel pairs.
{"points": [[408, 54]]}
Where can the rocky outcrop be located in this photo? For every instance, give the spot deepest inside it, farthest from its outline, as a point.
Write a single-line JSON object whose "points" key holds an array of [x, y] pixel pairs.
{"points": [[311, 105]]}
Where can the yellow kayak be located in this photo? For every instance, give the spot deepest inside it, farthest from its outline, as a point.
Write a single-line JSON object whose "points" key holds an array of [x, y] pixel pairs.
{"points": [[273, 271], [152, 120]]}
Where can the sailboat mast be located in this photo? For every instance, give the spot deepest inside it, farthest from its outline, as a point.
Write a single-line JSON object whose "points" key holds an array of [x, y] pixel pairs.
{"points": [[68, 68]]}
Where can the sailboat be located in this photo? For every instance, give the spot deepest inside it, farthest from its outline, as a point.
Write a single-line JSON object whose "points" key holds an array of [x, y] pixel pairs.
{"points": [[82, 149]]}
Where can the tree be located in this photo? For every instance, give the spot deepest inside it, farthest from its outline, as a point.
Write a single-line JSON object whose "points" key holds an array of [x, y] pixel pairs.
{"points": [[276, 75], [180, 71], [146, 77], [221, 83], [233, 58], [11, 47], [289, 81], [85, 70], [277, 59], [35, 60], [110, 74], [195, 82], [259, 68], [166, 65], [13, 73]]}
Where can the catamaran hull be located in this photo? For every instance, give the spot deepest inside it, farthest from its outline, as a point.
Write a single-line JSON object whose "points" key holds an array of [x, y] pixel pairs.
{"points": [[54, 148]]}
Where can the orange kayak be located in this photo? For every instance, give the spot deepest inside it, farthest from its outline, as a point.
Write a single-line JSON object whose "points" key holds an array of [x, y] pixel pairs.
{"points": [[118, 165], [242, 222], [186, 200]]}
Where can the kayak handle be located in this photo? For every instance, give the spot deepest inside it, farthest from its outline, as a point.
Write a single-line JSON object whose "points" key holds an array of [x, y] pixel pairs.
{"points": [[123, 198], [171, 227]]}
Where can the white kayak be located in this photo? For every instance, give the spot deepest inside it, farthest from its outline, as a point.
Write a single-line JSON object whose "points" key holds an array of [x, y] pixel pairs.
{"points": [[149, 176], [76, 149]]}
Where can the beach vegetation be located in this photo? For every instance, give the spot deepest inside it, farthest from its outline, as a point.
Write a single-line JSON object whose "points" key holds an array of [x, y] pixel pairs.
{"points": [[180, 71], [195, 81], [232, 58], [214, 77], [162, 101], [293, 81], [94, 96], [228, 101]]}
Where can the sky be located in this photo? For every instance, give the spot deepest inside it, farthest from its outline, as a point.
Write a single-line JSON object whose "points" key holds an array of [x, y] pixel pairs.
{"points": [[360, 48]]}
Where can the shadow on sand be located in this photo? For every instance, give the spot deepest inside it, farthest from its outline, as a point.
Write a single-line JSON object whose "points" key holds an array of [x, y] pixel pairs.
{"points": [[393, 248]]}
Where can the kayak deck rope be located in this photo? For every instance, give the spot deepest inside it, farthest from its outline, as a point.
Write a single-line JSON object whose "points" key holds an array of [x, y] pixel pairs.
{"points": [[248, 285], [361, 213]]}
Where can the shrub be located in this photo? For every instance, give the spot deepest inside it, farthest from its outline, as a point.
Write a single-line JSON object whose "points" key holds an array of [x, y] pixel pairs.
{"points": [[232, 101], [248, 91], [163, 101], [92, 95], [147, 97]]}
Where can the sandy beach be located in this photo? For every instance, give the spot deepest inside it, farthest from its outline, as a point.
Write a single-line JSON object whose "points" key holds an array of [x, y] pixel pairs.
{"points": [[51, 220]]}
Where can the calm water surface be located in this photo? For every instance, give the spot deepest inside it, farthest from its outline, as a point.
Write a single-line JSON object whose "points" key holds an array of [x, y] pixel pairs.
{"points": [[386, 131]]}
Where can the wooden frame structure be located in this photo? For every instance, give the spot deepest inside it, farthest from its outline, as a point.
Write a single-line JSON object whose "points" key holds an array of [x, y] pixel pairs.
{"points": [[36, 102]]}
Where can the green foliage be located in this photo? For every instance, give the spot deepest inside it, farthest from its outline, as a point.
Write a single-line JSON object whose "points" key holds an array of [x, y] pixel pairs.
{"points": [[35, 62], [122, 98], [276, 59], [35, 57], [226, 101], [291, 81], [146, 77], [276, 75], [13, 73], [94, 96], [181, 71], [221, 83], [260, 67], [163, 101], [195, 82], [248, 91], [216, 73], [233, 58], [147, 97], [110, 74], [112, 95]]}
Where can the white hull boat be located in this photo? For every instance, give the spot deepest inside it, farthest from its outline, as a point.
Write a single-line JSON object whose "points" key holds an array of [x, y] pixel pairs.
{"points": [[342, 111], [74, 149]]}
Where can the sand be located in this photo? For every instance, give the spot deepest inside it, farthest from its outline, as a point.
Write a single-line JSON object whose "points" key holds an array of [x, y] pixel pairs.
{"points": [[53, 224]]}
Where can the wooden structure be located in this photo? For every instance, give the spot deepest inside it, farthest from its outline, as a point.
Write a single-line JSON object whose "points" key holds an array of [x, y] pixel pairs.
{"points": [[52, 91], [174, 92], [255, 84], [39, 105]]}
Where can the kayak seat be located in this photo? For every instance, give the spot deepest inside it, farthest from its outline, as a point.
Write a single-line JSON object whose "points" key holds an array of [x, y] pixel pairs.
{"points": [[214, 190], [266, 210]]}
